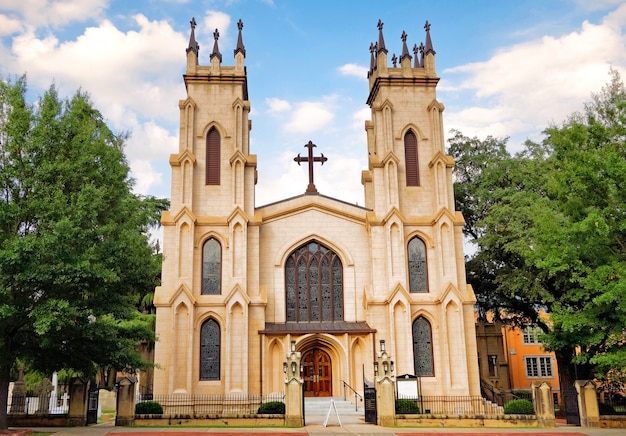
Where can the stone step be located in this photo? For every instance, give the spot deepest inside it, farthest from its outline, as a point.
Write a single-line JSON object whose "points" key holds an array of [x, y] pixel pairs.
{"points": [[320, 406]]}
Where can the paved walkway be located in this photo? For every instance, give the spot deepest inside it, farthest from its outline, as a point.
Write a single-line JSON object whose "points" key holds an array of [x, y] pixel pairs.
{"points": [[314, 428]]}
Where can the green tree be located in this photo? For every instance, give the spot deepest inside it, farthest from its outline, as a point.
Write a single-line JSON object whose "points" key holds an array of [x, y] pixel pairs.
{"points": [[551, 233], [74, 244]]}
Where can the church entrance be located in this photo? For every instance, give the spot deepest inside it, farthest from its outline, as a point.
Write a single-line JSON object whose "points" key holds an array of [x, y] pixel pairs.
{"points": [[317, 373]]}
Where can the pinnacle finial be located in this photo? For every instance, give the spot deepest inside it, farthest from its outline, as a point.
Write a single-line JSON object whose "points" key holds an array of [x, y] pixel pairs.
{"points": [[416, 64], [240, 47], [216, 50], [429, 43], [405, 48], [193, 44], [381, 39], [372, 59]]}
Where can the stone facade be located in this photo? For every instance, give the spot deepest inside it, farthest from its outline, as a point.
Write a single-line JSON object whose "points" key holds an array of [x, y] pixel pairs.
{"points": [[240, 282]]}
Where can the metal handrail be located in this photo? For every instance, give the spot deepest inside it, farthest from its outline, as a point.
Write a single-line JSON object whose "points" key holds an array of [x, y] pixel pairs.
{"points": [[356, 394]]}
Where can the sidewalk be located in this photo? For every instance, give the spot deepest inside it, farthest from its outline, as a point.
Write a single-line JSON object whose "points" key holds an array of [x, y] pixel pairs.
{"points": [[316, 427]]}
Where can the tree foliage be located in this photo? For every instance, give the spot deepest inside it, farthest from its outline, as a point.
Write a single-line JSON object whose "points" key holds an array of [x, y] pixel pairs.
{"points": [[74, 248], [549, 224]]}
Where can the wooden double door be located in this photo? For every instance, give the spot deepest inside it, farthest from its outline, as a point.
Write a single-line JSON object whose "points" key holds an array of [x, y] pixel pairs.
{"points": [[317, 373]]}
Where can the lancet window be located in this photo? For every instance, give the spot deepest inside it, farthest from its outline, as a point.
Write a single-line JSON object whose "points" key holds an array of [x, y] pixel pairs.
{"points": [[314, 284], [213, 145], [418, 277], [423, 348], [211, 267], [411, 161], [210, 350]]}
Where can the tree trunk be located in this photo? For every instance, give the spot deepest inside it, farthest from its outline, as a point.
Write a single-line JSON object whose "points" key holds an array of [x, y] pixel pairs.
{"points": [[568, 374], [5, 378]]}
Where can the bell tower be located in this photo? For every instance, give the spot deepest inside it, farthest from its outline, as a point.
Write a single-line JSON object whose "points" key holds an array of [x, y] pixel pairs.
{"points": [[205, 277], [409, 190]]}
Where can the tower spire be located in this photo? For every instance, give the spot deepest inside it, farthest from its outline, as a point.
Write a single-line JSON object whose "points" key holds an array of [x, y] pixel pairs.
{"points": [[193, 44], [216, 49], [429, 43], [372, 59], [405, 48], [240, 47], [381, 40]]}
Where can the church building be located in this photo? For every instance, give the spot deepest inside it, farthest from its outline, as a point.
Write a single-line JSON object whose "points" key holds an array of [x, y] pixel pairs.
{"points": [[241, 283]]}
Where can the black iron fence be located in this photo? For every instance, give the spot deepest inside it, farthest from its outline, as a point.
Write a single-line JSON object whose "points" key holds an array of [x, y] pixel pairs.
{"points": [[455, 405], [202, 405], [612, 402]]}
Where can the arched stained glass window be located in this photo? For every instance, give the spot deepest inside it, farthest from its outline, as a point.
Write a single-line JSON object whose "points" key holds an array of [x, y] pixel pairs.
{"points": [[423, 348], [411, 161], [418, 277], [314, 284], [210, 350], [213, 145], [211, 267]]}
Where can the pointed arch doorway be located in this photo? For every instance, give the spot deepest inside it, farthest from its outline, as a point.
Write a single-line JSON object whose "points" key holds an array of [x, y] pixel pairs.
{"points": [[317, 373]]}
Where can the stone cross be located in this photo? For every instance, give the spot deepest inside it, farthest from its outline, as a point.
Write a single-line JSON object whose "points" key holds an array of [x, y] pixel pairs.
{"points": [[310, 159]]}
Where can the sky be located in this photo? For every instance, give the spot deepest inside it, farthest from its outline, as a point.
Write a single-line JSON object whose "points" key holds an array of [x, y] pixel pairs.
{"points": [[507, 69]]}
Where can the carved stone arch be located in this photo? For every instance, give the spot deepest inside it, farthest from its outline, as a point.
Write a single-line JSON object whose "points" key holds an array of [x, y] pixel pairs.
{"points": [[218, 126], [222, 239], [334, 347], [386, 104], [416, 312], [206, 315], [188, 102], [182, 295], [452, 293], [455, 342], [314, 284], [285, 251], [236, 296], [399, 293], [411, 126], [237, 348], [359, 353], [275, 352], [428, 240], [436, 104]]}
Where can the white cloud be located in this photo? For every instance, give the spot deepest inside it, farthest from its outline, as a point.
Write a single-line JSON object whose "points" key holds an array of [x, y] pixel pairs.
{"points": [[523, 88], [354, 70], [309, 117], [9, 25], [118, 69], [55, 13], [277, 105], [214, 20]]}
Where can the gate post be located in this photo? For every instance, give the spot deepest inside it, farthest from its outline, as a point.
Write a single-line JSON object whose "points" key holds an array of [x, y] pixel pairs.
{"points": [[543, 404], [125, 404], [294, 416], [77, 413], [385, 388], [587, 403]]}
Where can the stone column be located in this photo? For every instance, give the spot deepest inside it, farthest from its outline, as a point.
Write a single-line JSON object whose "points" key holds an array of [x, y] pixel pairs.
{"points": [[293, 389], [125, 404], [587, 403], [77, 414], [18, 399], [543, 404], [385, 388]]}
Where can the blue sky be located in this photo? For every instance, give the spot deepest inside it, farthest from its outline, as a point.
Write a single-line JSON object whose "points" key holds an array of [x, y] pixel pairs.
{"points": [[507, 68]]}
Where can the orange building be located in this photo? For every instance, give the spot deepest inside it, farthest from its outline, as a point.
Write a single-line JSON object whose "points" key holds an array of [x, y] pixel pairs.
{"points": [[528, 361]]}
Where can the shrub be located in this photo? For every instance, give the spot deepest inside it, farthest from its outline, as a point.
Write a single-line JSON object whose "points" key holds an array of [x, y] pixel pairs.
{"points": [[148, 408], [405, 406], [519, 407], [272, 408]]}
